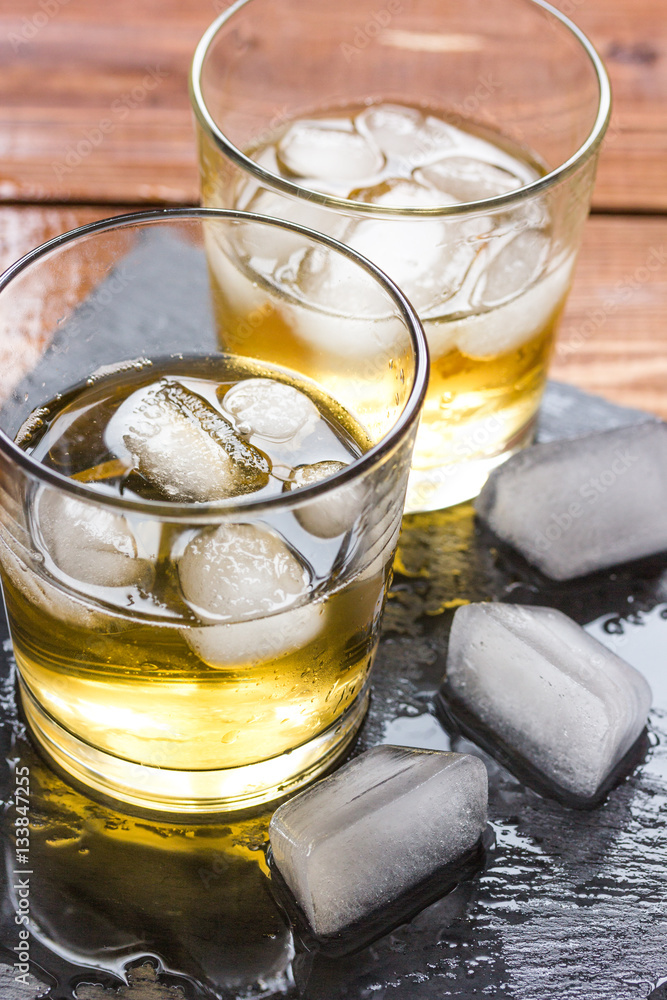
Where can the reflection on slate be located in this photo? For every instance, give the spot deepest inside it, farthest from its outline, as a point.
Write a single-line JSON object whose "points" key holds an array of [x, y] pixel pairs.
{"points": [[379, 922], [571, 905], [160, 271]]}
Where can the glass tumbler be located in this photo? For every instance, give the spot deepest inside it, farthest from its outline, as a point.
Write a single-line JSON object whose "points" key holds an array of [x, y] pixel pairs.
{"points": [[195, 544], [453, 142]]}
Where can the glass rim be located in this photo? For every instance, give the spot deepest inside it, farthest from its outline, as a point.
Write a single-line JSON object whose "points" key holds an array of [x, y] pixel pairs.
{"points": [[222, 509], [589, 146]]}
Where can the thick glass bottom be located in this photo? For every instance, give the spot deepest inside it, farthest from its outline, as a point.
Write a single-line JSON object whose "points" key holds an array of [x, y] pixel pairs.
{"points": [[160, 789], [446, 485]]}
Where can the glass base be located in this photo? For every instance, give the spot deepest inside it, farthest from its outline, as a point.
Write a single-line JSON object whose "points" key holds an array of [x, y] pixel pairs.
{"points": [[159, 789], [447, 485]]}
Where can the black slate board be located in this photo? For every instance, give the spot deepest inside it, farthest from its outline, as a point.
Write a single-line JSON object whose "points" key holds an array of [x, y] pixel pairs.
{"points": [[571, 906]]}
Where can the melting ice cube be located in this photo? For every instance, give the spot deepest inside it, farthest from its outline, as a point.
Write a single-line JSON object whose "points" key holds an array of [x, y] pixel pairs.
{"points": [[352, 317], [572, 507], [506, 326], [240, 571], [333, 513], [307, 475], [268, 249], [184, 447], [340, 310], [552, 702], [18, 563], [514, 268], [467, 179], [90, 544], [379, 826], [248, 575], [328, 151], [238, 644], [271, 409], [405, 133], [331, 303], [426, 257]]}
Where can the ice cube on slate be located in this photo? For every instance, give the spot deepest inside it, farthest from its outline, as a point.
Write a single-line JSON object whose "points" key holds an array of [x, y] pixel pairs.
{"points": [[184, 447], [354, 842], [89, 543], [573, 507], [332, 513], [544, 690], [248, 575], [271, 409]]}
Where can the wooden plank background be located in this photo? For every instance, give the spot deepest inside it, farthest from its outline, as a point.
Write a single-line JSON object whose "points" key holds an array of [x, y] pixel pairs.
{"points": [[67, 65]]}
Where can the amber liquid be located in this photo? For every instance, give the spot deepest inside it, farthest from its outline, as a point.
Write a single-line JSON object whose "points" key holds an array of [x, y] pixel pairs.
{"points": [[119, 667], [489, 288]]}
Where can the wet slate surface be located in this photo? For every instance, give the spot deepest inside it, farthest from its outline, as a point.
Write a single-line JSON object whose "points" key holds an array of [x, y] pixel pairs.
{"points": [[570, 904]]}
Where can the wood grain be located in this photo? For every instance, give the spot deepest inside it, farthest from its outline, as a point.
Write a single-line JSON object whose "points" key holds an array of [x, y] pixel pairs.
{"points": [[613, 339], [125, 64], [632, 40], [95, 103]]}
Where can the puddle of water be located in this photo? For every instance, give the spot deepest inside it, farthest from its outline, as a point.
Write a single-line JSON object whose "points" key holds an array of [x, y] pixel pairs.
{"points": [[641, 639]]}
